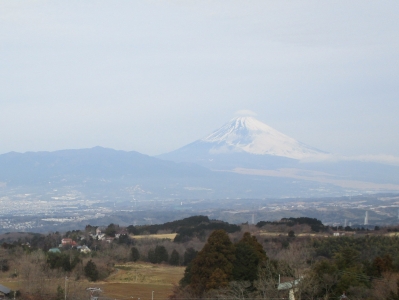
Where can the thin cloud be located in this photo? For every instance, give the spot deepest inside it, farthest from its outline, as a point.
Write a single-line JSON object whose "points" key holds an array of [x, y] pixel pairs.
{"points": [[246, 112], [381, 158]]}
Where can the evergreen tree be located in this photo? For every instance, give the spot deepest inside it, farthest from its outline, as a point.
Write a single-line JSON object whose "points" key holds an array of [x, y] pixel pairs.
{"points": [[217, 280], [253, 242], [174, 258], [161, 254], [249, 255], [185, 281], [134, 254], [213, 266], [4, 265], [246, 263], [111, 230], [91, 271], [189, 255], [62, 260]]}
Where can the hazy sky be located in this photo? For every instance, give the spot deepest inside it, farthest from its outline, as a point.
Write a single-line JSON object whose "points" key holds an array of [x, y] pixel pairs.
{"points": [[152, 76]]}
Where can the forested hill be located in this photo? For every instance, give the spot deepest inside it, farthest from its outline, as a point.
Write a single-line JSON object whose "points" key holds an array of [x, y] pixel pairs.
{"points": [[186, 228]]}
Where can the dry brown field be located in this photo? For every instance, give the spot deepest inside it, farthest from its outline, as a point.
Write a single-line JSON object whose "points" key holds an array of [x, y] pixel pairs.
{"points": [[138, 280], [169, 236], [392, 234], [271, 234], [131, 280]]}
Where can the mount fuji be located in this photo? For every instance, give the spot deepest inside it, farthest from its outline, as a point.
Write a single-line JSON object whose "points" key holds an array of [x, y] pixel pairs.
{"points": [[246, 134], [244, 142], [247, 146]]}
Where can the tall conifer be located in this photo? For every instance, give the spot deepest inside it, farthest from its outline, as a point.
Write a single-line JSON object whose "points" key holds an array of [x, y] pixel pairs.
{"points": [[213, 266]]}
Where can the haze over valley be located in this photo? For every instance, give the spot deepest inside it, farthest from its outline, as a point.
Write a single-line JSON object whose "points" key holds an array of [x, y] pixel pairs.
{"points": [[242, 172]]}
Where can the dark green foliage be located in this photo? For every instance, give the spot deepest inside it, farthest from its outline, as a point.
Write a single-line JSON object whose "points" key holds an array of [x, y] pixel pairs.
{"points": [[174, 258], [302, 220], [187, 222], [189, 255], [185, 234], [172, 226], [90, 229], [45, 242], [134, 254], [315, 225], [159, 255], [186, 228], [7, 245], [213, 266], [111, 229], [124, 239], [347, 257], [186, 280], [353, 261], [249, 255], [91, 271], [65, 261], [4, 266], [325, 275], [246, 263], [253, 242], [133, 230], [368, 247], [220, 262], [291, 234], [285, 244]]}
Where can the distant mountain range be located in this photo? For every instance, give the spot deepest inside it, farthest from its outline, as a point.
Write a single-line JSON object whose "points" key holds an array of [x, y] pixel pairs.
{"points": [[84, 164], [243, 159], [122, 176]]}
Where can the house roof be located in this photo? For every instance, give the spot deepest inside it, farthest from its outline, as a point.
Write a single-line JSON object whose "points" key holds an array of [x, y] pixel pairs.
{"points": [[288, 285], [54, 250], [4, 289]]}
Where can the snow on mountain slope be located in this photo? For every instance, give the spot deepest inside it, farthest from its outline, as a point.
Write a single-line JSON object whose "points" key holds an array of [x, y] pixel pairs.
{"points": [[246, 134]]}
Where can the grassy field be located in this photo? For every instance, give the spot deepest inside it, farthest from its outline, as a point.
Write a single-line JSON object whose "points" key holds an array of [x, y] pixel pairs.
{"points": [[138, 280], [169, 236]]}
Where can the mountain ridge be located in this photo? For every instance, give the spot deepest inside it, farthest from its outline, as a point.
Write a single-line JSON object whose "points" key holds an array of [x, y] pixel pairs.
{"points": [[96, 162]]}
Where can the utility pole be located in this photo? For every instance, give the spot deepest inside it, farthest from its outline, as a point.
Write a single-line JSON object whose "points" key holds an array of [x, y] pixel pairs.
{"points": [[65, 292], [152, 295]]}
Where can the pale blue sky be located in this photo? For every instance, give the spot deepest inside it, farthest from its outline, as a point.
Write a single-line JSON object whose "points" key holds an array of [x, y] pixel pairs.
{"points": [[152, 76]]}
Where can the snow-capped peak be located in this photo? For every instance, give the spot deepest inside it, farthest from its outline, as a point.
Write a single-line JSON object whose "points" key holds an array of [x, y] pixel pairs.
{"points": [[247, 134]]}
